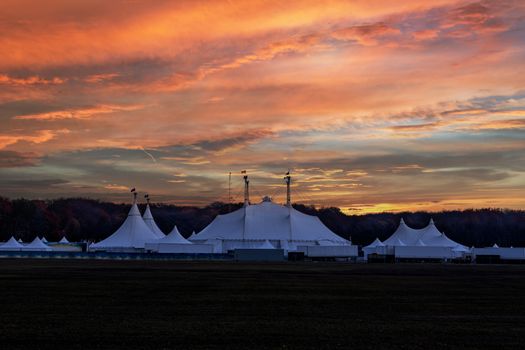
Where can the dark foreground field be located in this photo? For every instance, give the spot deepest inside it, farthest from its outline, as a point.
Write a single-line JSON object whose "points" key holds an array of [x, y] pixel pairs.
{"points": [[174, 305]]}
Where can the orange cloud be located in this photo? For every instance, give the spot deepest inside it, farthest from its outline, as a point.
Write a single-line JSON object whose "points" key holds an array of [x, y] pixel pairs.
{"points": [[79, 113], [39, 137], [31, 80]]}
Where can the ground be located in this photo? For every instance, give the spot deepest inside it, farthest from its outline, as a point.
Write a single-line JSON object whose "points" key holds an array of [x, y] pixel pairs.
{"points": [[94, 304]]}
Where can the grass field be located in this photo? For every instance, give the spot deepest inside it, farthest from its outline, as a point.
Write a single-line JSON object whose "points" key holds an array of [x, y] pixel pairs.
{"points": [[210, 305]]}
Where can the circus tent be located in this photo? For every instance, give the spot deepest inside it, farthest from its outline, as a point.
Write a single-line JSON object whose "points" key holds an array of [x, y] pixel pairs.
{"points": [[254, 225], [132, 234]]}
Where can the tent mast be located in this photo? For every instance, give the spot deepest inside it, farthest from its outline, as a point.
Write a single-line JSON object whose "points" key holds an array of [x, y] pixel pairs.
{"points": [[134, 195], [230, 192], [246, 190], [288, 180]]}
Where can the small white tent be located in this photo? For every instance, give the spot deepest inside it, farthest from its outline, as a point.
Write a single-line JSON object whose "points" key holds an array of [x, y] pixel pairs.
{"points": [[36, 245], [12, 244], [376, 247], [63, 240]]}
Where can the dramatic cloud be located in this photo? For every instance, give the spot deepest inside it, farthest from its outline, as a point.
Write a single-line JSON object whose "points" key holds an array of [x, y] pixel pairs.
{"points": [[373, 105]]}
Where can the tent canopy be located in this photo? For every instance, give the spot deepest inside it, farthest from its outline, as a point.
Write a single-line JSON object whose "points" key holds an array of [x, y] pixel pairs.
{"points": [[173, 237], [268, 221], [11, 244], [427, 236], [148, 219], [133, 233]]}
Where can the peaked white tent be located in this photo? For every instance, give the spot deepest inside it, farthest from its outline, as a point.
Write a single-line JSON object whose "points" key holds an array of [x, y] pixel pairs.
{"points": [[375, 243], [44, 240], [376, 247], [12, 244], [175, 243], [252, 225], [148, 219], [64, 240], [36, 245], [132, 234], [427, 242]]}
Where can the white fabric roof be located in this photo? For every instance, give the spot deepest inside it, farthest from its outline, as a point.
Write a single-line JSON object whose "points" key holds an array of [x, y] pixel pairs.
{"points": [[11, 244], [37, 244], [173, 237], [268, 221], [420, 243], [461, 248], [133, 233], [148, 219], [376, 243], [427, 236], [63, 240]]}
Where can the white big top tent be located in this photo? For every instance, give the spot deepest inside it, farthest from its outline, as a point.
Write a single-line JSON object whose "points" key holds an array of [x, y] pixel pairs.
{"points": [[131, 235], [427, 242], [254, 225]]}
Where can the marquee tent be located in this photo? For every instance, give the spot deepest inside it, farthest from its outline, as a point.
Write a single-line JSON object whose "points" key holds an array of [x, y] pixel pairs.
{"points": [[175, 243], [132, 234], [11, 244], [427, 242], [376, 247], [36, 245], [252, 225]]}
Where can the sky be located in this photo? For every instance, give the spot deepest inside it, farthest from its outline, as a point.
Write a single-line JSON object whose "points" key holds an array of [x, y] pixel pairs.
{"points": [[372, 105]]}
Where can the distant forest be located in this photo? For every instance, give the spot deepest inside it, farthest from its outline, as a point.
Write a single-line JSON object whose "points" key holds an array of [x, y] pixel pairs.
{"points": [[87, 219]]}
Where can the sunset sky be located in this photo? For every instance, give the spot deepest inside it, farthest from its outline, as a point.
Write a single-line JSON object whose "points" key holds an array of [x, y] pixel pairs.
{"points": [[373, 105]]}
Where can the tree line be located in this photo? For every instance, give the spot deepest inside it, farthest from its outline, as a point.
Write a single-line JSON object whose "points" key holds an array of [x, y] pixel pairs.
{"points": [[93, 220]]}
